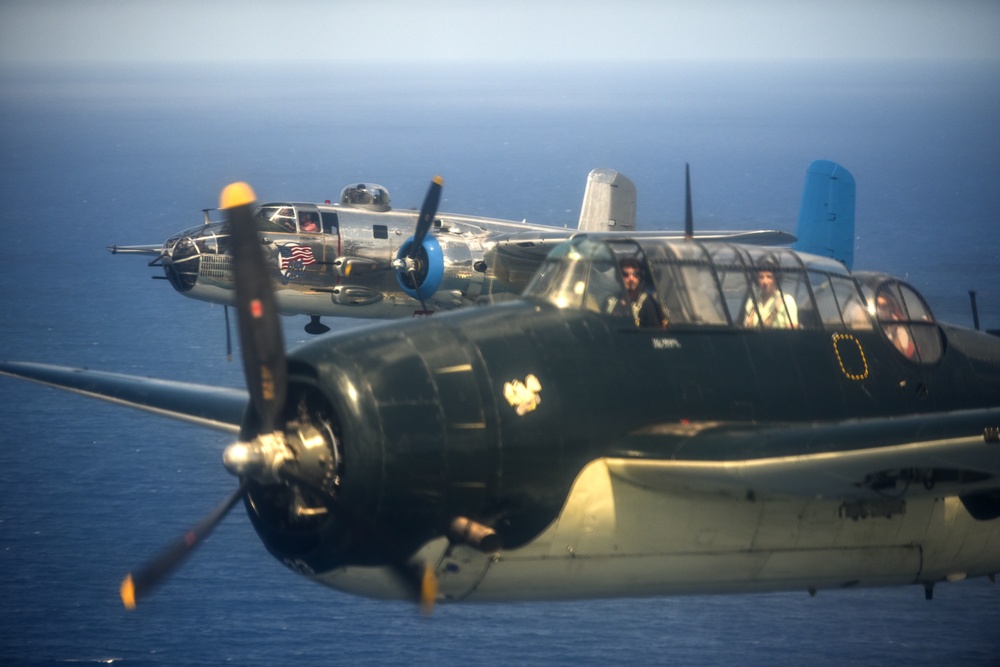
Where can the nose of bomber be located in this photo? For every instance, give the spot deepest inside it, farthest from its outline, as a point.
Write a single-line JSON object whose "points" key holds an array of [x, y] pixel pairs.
{"points": [[181, 263]]}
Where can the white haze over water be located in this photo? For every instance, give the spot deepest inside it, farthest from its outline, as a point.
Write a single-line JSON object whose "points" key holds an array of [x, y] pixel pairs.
{"points": [[527, 32]]}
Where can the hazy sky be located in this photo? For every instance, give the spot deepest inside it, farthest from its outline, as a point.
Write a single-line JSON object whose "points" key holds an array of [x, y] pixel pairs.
{"points": [[500, 30]]}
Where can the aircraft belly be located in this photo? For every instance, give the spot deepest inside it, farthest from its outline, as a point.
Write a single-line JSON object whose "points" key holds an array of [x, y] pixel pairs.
{"points": [[614, 538], [212, 293]]}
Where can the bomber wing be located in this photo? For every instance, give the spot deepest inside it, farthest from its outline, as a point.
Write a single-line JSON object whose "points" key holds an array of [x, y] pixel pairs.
{"points": [[950, 454], [215, 407]]}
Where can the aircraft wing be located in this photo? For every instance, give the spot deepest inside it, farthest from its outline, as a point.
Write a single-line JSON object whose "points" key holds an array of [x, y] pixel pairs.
{"points": [[853, 460], [536, 245], [215, 407]]}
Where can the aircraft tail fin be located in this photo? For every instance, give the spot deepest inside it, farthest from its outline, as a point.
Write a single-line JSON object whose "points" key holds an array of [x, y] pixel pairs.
{"points": [[826, 217], [608, 203]]}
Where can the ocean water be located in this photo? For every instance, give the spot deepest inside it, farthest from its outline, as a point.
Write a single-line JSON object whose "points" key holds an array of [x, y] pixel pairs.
{"points": [[98, 157]]}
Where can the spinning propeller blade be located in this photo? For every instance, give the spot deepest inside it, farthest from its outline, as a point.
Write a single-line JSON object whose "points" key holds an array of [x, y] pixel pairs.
{"points": [[142, 582], [261, 342], [263, 364], [427, 213]]}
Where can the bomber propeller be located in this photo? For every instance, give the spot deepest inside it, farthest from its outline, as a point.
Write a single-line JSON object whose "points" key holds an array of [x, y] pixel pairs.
{"points": [[418, 264], [271, 449]]}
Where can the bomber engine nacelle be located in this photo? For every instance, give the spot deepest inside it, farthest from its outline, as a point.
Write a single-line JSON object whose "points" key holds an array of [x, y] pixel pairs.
{"points": [[419, 263], [422, 282]]}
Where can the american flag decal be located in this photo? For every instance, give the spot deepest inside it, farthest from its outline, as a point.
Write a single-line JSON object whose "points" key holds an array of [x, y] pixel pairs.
{"points": [[295, 256]]}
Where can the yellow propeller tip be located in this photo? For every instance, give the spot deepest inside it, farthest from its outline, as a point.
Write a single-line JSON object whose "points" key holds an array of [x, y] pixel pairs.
{"points": [[236, 194], [127, 592], [438, 180], [428, 591]]}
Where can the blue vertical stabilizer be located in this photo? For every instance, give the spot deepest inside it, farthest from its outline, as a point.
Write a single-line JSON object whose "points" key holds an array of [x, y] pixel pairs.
{"points": [[826, 218]]}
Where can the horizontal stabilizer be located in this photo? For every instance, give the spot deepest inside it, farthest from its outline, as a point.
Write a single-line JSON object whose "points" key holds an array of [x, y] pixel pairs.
{"points": [[608, 203], [215, 407], [826, 217]]}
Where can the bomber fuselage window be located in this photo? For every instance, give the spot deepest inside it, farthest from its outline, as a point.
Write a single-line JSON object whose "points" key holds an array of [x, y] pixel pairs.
{"points": [[330, 222], [380, 232], [309, 222]]}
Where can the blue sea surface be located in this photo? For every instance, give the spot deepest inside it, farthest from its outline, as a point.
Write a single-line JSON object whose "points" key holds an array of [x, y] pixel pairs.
{"points": [[117, 156]]}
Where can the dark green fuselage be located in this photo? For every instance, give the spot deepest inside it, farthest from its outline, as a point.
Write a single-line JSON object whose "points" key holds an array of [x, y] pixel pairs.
{"points": [[428, 435]]}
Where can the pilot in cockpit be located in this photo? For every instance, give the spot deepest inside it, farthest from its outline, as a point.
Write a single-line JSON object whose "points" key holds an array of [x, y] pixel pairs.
{"points": [[645, 308], [775, 309], [891, 316], [307, 223]]}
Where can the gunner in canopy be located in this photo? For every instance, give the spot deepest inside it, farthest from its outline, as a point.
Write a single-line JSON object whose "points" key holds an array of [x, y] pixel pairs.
{"points": [[646, 311]]}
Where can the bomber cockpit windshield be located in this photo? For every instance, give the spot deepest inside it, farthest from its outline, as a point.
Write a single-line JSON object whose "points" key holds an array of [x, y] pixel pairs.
{"points": [[294, 218], [276, 217]]}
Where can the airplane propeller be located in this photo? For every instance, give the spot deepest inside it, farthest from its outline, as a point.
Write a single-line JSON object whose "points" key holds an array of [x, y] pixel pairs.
{"points": [[261, 341], [265, 452], [419, 264], [427, 213], [142, 582]]}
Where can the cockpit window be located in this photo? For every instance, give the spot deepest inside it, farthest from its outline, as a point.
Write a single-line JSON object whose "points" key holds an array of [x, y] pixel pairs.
{"points": [[719, 284], [309, 222], [838, 302], [687, 284], [579, 274], [277, 217], [779, 296], [904, 318], [291, 218]]}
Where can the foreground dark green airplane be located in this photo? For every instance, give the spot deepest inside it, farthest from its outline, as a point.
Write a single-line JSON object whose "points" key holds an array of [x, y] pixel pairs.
{"points": [[792, 426]]}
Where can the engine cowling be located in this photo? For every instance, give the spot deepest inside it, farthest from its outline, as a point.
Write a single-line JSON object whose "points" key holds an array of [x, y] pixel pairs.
{"points": [[425, 279]]}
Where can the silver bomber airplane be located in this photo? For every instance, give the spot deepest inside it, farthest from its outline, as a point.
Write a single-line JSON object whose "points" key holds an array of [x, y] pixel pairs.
{"points": [[782, 424], [361, 258]]}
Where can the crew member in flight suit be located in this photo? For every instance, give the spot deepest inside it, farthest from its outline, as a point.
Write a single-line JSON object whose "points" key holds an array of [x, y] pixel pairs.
{"points": [[774, 309], [645, 309]]}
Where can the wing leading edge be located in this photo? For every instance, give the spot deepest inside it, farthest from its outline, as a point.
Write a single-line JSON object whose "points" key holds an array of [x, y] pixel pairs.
{"points": [[219, 408]]}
